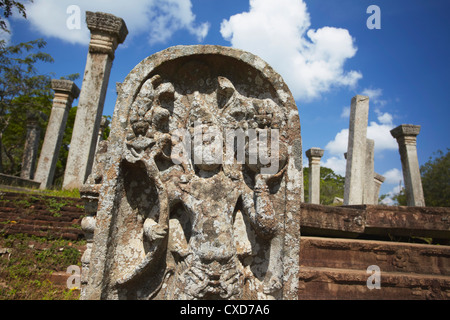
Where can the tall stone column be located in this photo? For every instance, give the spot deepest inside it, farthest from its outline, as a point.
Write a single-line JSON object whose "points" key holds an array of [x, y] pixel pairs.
{"points": [[107, 32], [356, 152], [103, 125], [314, 155], [31, 146], [65, 92], [406, 135], [378, 180], [369, 172]]}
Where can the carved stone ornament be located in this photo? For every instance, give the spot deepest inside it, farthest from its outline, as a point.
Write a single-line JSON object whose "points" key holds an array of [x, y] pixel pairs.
{"points": [[185, 211]]}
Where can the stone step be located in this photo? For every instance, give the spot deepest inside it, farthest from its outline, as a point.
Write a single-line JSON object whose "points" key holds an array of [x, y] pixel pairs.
{"points": [[388, 256], [319, 283], [43, 231]]}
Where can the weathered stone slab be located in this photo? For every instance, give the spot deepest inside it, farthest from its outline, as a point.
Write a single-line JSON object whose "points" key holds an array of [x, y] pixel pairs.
{"points": [[14, 181], [337, 269], [182, 219], [353, 221]]}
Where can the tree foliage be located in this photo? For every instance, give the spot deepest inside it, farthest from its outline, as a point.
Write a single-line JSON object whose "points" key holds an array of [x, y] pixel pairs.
{"points": [[436, 180], [22, 90], [7, 6], [435, 174], [331, 185]]}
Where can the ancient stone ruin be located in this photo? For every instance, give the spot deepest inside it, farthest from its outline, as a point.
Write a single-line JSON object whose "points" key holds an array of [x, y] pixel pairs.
{"points": [[196, 193], [107, 32]]}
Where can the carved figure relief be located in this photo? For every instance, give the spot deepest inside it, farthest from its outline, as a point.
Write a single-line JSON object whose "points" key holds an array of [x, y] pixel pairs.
{"points": [[198, 196]]}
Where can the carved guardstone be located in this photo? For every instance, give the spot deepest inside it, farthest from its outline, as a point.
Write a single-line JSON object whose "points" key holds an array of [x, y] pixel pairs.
{"points": [[171, 226]]}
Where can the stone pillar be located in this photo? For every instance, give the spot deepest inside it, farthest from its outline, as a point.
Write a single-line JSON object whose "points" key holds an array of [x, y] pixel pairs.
{"points": [[107, 32], [369, 172], [356, 152], [314, 155], [406, 135], [31, 146], [65, 92], [103, 124], [378, 180]]}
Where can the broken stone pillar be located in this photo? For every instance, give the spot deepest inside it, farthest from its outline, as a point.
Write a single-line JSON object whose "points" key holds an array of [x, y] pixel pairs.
{"points": [[314, 155], [356, 152], [173, 225], [378, 180], [31, 146], [65, 92], [369, 173], [103, 125], [406, 135], [107, 32]]}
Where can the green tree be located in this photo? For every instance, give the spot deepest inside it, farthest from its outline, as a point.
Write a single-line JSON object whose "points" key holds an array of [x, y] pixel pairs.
{"points": [[22, 90], [436, 180], [331, 185], [435, 174], [7, 6], [400, 198]]}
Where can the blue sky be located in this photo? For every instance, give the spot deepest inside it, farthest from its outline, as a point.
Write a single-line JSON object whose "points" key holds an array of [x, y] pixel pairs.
{"points": [[322, 48]]}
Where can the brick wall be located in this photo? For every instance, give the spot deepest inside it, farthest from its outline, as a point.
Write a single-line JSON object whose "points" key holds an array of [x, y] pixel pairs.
{"points": [[40, 215]]}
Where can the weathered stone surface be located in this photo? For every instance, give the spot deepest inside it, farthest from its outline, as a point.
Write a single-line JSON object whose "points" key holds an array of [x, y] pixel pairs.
{"points": [[31, 146], [168, 229], [356, 152], [354, 221], [314, 155], [107, 31], [378, 180], [369, 184], [15, 181], [337, 269], [65, 92], [406, 135]]}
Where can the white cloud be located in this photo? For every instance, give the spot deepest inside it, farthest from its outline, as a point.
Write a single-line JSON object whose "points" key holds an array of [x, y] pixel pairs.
{"points": [[393, 176], [338, 146], [374, 95], [345, 112], [310, 61], [385, 118], [337, 164], [158, 18], [379, 132], [388, 200]]}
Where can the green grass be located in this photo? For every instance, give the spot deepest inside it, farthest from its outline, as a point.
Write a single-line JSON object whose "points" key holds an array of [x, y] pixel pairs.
{"points": [[75, 193], [26, 268]]}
